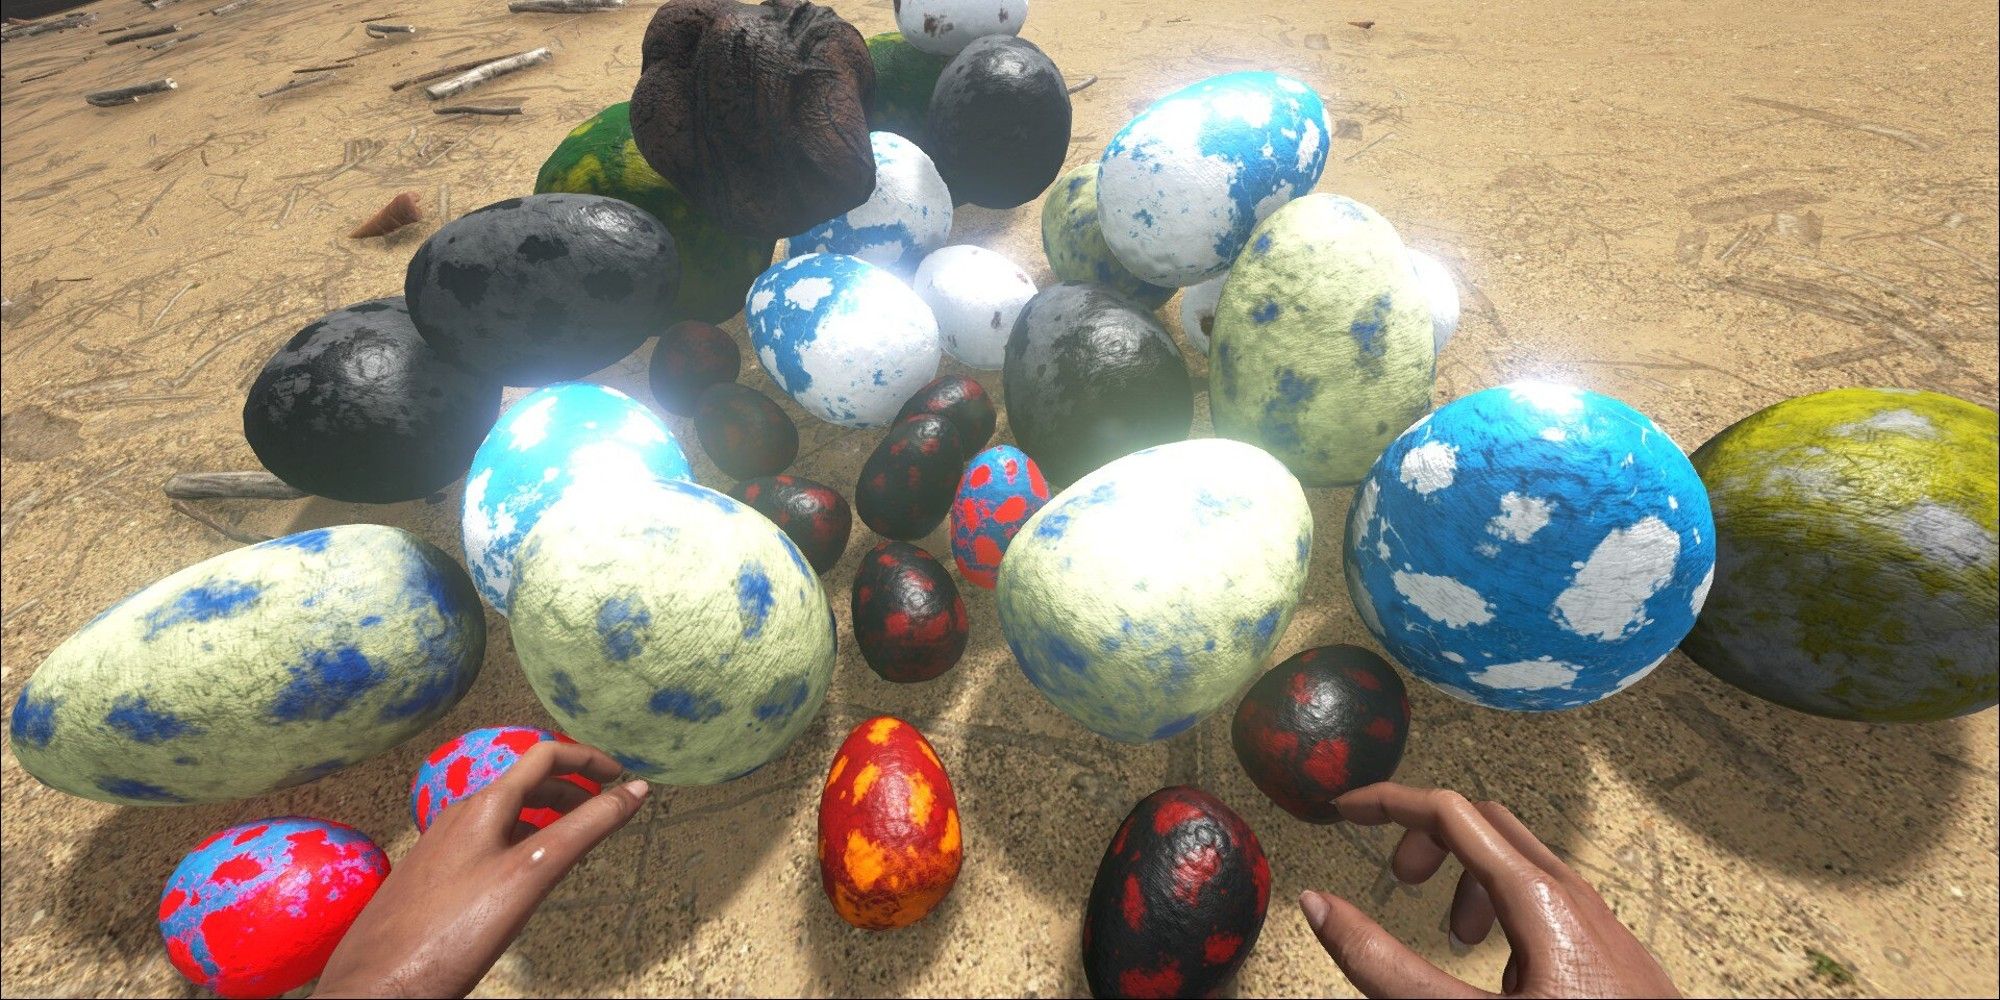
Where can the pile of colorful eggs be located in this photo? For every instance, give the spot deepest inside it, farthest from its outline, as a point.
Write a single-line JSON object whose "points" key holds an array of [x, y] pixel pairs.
{"points": [[1529, 547]]}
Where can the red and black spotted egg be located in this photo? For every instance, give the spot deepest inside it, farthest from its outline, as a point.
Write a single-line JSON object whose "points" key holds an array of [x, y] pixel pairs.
{"points": [[1001, 488], [744, 433], [961, 400], [1178, 901], [812, 514], [690, 357], [908, 481], [1324, 722], [908, 618]]}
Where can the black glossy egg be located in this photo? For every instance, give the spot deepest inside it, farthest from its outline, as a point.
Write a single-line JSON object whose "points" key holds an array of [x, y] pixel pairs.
{"points": [[357, 407], [908, 618], [813, 515], [1323, 723], [1089, 378], [1179, 899], [544, 288], [744, 433], [908, 481], [999, 122], [961, 400], [690, 357]]}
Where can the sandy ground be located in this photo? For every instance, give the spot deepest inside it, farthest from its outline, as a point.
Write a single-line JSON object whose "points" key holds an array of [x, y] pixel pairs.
{"points": [[1698, 208]]}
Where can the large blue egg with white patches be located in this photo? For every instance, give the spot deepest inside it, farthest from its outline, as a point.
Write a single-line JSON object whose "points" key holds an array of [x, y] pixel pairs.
{"points": [[847, 339], [907, 216], [1531, 547], [562, 437], [1182, 185]]}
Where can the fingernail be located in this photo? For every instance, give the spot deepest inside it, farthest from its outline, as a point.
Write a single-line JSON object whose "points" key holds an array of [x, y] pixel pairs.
{"points": [[1457, 947], [1316, 909], [639, 789]]}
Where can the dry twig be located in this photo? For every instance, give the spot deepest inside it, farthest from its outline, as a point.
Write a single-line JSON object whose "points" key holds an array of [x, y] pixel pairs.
{"points": [[129, 95], [480, 74]]}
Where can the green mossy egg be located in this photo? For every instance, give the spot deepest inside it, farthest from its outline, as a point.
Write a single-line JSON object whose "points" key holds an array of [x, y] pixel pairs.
{"points": [[599, 157], [1075, 243], [904, 78], [1856, 555], [674, 627], [1322, 351]]}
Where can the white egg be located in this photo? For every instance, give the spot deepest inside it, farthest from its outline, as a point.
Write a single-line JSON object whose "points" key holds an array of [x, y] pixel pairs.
{"points": [[1440, 292], [943, 27], [975, 295], [848, 340], [907, 216], [1198, 311]]}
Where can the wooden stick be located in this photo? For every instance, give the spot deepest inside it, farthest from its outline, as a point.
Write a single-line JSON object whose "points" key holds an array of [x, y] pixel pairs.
{"points": [[171, 42], [382, 17], [165, 29], [478, 75], [562, 6], [298, 82], [226, 8], [229, 486], [1081, 84], [157, 4], [323, 69], [478, 109], [59, 24], [436, 73], [385, 30], [129, 95]]}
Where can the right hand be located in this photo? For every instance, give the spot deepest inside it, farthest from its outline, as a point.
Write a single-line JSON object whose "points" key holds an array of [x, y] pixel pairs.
{"points": [[1566, 941]]}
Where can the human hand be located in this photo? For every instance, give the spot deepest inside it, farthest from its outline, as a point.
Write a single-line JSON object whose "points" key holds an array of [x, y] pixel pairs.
{"points": [[1566, 942], [447, 911]]}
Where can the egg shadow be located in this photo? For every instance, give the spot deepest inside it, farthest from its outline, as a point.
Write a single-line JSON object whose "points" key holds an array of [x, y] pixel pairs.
{"points": [[1835, 802]]}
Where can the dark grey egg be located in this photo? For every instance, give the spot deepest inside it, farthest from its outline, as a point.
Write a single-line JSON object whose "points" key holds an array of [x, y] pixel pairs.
{"points": [[999, 122]]}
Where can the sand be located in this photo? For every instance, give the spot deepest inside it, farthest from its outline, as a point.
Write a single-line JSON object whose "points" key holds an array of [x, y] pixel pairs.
{"points": [[1697, 207]]}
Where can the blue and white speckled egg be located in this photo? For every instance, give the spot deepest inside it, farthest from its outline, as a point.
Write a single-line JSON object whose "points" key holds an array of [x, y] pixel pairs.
{"points": [[545, 445], [907, 216], [1531, 547], [1182, 185], [1440, 292], [1198, 311], [975, 294], [848, 340]]}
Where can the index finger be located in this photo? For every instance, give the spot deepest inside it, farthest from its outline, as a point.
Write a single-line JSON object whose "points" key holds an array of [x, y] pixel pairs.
{"points": [[549, 759], [1522, 892]]}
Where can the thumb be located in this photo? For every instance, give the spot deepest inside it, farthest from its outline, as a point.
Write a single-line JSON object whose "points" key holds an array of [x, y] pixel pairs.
{"points": [[1376, 962]]}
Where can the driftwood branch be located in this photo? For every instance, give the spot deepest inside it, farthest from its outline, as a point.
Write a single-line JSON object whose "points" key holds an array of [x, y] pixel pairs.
{"points": [[129, 95], [157, 4], [1080, 84], [226, 8], [385, 30], [479, 109], [441, 71], [480, 74], [44, 27], [169, 43], [562, 6], [229, 486], [133, 36], [297, 83]]}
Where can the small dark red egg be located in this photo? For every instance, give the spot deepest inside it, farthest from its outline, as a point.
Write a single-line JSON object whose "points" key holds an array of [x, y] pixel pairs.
{"points": [[908, 481], [744, 433], [908, 617], [813, 515], [690, 357], [1323, 723], [961, 400]]}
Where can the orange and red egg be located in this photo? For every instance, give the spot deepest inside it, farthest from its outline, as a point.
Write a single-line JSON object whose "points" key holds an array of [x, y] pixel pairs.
{"points": [[890, 843]]}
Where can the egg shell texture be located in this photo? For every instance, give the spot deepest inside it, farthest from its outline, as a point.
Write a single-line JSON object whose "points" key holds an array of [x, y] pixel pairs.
{"points": [[908, 617], [907, 481], [1531, 547], [813, 515], [1089, 378], [261, 668], [890, 845], [1326, 721], [256, 910], [1323, 350], [1178, 901], [1183, 184], [1198, 304], [744, 433], [690, 357], [1073, 240], [1001, 488], [999, 122], [1856, 555], [945, 27], [846, 339], [1440, 293], [675, 628], [975, 294], [535, 290], [961, 400], [1151, 591], [561, 438], [358, 408], [907, 216], [463, 765]]}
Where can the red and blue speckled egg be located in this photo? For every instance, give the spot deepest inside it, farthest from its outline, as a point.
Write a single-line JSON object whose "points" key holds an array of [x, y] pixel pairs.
{"points": [[256, 910], [1323, 723], [908, 617], [1178, 901], [813, 515], [1001, 488], [465, 764]]}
